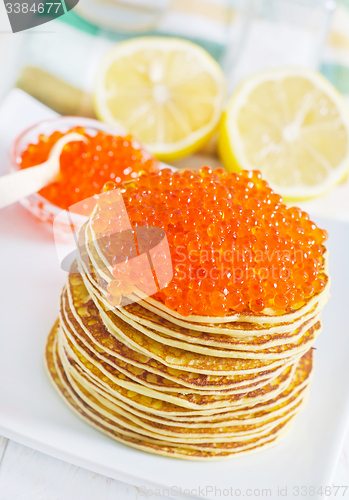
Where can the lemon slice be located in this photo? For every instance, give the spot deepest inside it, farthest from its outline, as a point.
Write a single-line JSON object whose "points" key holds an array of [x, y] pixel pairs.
{"points": [[293, 126], [167, 92]]}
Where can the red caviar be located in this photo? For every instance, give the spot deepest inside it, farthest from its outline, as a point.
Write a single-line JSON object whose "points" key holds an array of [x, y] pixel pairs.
{"points": [[235, 246], [85, 168]]}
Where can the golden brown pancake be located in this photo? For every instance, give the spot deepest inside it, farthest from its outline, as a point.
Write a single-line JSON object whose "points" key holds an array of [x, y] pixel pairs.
{"points": [[200, 451], [198, 388]]}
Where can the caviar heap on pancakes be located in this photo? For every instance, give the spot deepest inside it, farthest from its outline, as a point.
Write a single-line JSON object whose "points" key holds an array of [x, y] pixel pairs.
{"points": [[235, 246], [85, 168]]}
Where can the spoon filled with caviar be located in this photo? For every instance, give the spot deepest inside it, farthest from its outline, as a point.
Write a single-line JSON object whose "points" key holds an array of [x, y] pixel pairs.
{"points": [[14, 187]]}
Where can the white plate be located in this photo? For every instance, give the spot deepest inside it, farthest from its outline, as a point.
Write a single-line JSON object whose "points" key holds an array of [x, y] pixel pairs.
{"points": [[32, 413]]}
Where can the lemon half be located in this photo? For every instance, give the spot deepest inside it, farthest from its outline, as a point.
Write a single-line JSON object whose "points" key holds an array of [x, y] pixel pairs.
{"points": [[167, 92], [293, 126]]}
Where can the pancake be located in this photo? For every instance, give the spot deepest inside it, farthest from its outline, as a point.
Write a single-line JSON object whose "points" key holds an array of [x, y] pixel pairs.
{"points": [[143, 319], [182, 435], [151, 315], [89, 361], [119, 327], [159, 407], [100, 262], [298, 347], [135, 382], [284, 402], [187, 386], [187, 451], [156, 379], [83, 319], [231, 325], [80, 314]]}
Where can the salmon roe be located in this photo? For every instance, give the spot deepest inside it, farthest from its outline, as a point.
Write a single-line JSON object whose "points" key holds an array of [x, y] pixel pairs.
{"points": [[235, 246], [85, 168]]}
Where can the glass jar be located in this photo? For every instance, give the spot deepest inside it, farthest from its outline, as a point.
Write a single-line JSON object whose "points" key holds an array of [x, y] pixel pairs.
{"points": [[36, 204]]}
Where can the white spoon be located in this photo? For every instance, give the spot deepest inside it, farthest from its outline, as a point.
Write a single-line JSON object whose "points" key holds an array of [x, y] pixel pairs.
{"points": [[14, 187]]}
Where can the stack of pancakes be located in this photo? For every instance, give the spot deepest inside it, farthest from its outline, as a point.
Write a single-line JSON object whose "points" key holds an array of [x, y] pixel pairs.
{"points": [[198, 388]]}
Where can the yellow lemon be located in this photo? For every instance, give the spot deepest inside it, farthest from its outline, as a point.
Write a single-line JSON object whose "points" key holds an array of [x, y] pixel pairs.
{"points": [[293, 126], [167, 92]]}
